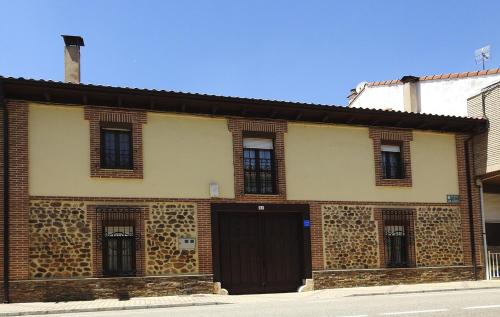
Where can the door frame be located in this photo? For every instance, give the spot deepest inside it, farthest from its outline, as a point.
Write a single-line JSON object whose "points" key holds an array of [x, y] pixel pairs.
{"points": [[303, 209]]}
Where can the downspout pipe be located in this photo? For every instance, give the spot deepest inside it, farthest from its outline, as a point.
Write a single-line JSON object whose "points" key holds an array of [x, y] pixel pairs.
{"points": [[485, 243], [479, 183], [470, 206], [6, 198]]}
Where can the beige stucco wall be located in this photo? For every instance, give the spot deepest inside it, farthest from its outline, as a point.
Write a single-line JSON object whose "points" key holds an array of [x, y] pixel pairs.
{"points": [[325, 162], [182, 155]]}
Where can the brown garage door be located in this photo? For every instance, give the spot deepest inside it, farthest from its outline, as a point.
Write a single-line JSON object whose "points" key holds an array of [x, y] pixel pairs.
{"points": [[261, 252]]}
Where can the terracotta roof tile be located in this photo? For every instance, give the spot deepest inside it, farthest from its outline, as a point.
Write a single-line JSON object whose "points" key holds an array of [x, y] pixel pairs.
{"points": [[439, 76]]}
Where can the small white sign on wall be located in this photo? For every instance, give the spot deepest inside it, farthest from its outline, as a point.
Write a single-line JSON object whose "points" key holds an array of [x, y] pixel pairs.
{"points": [[214, 190]]}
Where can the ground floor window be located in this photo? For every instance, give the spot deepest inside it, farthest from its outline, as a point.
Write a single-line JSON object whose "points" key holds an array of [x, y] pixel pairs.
{"points": [[119, 251], [119, 240], [398, 238]]}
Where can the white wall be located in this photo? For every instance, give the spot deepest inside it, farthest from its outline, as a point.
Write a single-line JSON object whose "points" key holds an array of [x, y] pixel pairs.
{"points": [[443, 96], [449, 96], [380, 97]]}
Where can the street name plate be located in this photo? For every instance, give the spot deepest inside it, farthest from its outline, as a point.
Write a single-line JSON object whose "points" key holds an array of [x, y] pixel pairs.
{"points": [[453, 199]]}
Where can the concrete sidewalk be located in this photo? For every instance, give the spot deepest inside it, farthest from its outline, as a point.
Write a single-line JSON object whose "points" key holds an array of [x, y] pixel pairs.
{"points": [[23, 309]]}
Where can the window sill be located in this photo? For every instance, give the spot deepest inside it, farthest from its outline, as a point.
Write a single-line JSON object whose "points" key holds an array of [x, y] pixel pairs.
{"points": [[116, 169], [118, 276], [117, 173], [262, 197], [397, 182]]}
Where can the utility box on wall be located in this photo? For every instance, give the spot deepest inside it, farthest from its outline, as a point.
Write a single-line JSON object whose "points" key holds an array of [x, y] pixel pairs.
{"points": [[187, 243]]}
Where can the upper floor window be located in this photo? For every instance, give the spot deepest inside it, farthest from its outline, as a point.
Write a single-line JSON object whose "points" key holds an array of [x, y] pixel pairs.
{"points": [[392, 156], [259, 166], [116, 148], [392, 162]]}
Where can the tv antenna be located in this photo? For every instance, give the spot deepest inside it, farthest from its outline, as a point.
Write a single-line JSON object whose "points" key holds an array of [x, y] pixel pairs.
{"points": [[482, 55]]}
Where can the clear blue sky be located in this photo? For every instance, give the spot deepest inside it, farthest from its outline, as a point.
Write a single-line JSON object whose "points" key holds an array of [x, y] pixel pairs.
{"points": [[312, 51]]}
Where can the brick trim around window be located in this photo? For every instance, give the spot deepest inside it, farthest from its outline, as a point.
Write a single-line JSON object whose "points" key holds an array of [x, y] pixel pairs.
{"points": [[240, 127], [379, 219], [102, 117], [400, 137], [95, 220]]}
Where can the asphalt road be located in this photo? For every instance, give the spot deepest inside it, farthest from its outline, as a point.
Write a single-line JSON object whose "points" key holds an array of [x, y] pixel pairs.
{"points": [[483, 303]]}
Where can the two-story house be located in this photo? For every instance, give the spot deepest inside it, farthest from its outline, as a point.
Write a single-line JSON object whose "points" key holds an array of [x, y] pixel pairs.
{"points": [[116, 192]]}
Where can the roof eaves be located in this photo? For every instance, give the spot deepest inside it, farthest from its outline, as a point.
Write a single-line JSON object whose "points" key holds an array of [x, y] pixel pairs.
{"points": [[35, 89]]}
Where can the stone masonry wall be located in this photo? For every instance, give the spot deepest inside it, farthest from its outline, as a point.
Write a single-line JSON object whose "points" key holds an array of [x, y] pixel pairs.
{"points": [[167, 223], [350, 237], [357, 278], [92, 288], [438, 236], [60, 240]]}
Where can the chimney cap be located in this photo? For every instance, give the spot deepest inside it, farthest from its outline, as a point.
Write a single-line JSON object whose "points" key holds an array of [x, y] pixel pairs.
{"points": [[73, 40], [409, 79]]}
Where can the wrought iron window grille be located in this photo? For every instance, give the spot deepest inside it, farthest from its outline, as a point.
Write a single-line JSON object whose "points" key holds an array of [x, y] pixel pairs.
{"points": [[118, 239], [398, 238]]}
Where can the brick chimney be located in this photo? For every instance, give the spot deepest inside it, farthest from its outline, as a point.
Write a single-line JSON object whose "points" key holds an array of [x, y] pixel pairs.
{"points": [[72, 58]]}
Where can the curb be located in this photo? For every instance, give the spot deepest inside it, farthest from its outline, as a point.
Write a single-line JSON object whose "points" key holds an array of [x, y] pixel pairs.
{"points": [[103, 309], [423, 291]]}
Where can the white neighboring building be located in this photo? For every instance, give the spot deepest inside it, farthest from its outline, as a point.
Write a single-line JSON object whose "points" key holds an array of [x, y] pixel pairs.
{"points": [[474, 94], [444, 94]]}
